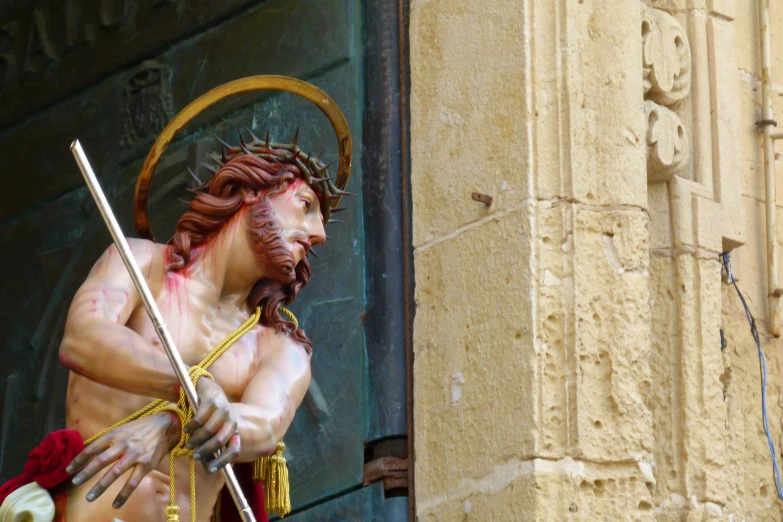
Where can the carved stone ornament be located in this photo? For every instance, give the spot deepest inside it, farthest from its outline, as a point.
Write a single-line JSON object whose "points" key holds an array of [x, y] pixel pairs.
{"points": [[148, 104], [668, 146], [666, 57]]}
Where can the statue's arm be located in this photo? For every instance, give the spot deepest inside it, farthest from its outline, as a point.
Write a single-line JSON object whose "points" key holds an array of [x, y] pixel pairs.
{"points": [[97, 344], [251, 428], [272, 397]]}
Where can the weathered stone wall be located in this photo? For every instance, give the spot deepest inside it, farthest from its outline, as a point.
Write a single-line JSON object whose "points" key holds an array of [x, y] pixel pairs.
{"points": [[568, 353]]}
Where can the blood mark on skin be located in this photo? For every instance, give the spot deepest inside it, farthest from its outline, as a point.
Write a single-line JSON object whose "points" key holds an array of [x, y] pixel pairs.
{"points": [[291, 189], [68, 363], [109, 253]]}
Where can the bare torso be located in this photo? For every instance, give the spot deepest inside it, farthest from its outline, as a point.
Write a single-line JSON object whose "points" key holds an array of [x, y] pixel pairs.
{"points": [[198, 321]]}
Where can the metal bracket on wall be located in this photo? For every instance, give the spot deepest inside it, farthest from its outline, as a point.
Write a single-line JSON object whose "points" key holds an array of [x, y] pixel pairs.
{"points": [[392, 471], [387, 461]]}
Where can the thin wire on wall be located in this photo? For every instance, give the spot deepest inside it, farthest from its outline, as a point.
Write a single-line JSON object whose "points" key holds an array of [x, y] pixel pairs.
{"points": [[763, 369]]}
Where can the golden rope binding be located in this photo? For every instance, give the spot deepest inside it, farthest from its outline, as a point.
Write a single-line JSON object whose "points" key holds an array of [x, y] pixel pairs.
{"points": [[271, 470]]}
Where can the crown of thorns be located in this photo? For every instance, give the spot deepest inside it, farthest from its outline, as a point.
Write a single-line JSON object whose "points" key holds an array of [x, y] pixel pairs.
{"points": [[313, 170]]}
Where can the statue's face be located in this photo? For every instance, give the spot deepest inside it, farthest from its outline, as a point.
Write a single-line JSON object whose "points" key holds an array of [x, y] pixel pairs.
{"points": [[298, 211]]}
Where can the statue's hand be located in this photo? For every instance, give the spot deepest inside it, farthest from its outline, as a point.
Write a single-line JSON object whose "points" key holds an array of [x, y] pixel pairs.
{"points": [[213, 427], [141, 444]]}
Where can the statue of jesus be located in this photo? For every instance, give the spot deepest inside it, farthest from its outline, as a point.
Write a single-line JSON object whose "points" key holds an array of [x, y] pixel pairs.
{"points": [[242, 244]]}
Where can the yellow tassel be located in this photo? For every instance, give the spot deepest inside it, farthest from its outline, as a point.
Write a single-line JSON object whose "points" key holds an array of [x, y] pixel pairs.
{"points": [[273, 471], [172, 514], [259, 469]]}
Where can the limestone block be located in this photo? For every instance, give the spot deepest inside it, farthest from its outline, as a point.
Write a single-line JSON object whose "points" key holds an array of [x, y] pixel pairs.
{"points": [[697, 221], [469, 113], [601, 492], [660, 216], [665, 397], [593, 344], [749, 140], [612, 314], [746, 23], [543, 489], [474, 357], [589, 131], [672, 6], [509, 495], [710, 224], [556, 378], [725, 125], [689, 379], [750, 262], [724, 8], [753, 490]]}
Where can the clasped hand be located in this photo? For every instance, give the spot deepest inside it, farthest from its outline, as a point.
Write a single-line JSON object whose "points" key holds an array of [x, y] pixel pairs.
{"points": [[142, 444]]}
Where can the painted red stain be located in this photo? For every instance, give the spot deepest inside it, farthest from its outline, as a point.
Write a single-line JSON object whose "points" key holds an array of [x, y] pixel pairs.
{"points": [[292, 188], [109, 253]]}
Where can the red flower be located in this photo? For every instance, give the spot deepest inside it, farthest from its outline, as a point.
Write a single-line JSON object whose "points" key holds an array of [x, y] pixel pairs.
{"points": [[47, 462]]}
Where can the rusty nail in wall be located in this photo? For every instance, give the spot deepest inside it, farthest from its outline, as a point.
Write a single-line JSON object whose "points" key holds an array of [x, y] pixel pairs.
{"points": [[482, 198]]}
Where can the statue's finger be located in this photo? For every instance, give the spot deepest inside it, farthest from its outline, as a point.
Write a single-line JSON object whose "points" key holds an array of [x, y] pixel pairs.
{"points": [[207, 431], [218, 442], [115, 472], [88, 453], [97, 464], [227, 456], [203, 413], [139, 472]]}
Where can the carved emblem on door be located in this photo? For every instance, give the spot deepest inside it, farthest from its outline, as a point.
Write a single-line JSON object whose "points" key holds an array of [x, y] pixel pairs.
{"points": [[148, 105]]}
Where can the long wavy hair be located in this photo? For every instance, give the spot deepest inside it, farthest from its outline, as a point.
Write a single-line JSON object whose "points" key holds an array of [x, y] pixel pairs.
{"points": [[221, 199]]}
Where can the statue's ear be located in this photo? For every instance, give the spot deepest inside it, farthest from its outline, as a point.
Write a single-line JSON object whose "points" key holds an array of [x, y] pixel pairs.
{"points": [[251, 196]]}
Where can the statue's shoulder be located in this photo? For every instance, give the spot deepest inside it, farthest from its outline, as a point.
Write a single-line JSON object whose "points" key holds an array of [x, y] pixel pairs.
{"points": [[281, 343], [148, 252], [150, 257]]}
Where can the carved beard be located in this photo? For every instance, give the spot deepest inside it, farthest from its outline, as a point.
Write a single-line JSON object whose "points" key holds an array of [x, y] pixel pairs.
{"points": [[268, 244], [284, 280]]}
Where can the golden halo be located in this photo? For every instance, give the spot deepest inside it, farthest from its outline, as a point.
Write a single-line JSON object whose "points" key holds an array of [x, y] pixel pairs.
{"points": [[252, 83]]}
